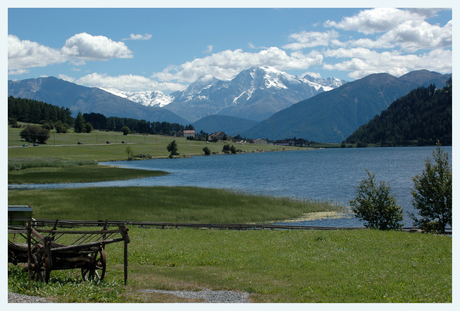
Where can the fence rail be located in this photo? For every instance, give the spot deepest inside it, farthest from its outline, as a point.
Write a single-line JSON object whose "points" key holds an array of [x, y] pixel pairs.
{"points": [[170, 225]]}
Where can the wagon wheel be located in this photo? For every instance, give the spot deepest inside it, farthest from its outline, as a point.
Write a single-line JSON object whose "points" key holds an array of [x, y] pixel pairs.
{"points": [[95, 268], [39, 264]]}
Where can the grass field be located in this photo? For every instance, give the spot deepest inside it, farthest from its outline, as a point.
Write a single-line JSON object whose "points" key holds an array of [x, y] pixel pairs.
{"points": [[273, 266], [361, 266], [95, 148]]}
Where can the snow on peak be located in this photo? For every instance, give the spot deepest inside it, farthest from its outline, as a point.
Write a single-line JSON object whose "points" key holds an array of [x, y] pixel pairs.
{"points": [[146, 98]]}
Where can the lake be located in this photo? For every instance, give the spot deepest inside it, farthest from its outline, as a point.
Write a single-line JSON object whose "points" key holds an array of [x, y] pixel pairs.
{"points": [[323, 174]]}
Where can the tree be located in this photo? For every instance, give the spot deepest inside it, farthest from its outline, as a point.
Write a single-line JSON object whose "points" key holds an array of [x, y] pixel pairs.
{"points": [[13, 122], [376, 205], [33, 133], [226, 148], [432, 193], [206, 151], [130, 153], [125, 130], [88, 127], [79, 123], [172, 148]]}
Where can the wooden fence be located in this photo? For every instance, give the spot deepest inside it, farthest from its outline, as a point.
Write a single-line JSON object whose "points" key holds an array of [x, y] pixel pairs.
{"points": [[170, 225]]}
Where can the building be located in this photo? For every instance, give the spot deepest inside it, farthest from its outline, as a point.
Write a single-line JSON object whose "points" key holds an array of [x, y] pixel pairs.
{"points": [[260, 141], [293, 142], [218, 135], [189, 133]]}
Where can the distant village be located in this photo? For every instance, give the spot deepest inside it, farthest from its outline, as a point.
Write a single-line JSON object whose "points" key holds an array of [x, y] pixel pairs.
{"points": [[221, 136]]}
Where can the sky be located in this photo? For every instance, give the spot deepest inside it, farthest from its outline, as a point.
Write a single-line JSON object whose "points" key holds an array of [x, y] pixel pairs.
{"points": [[166, 49]]}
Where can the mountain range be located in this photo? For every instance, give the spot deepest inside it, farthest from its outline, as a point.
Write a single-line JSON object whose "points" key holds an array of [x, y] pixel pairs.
{"points": [[323, 110], [333, 116], [254, 94], [86, 100]]}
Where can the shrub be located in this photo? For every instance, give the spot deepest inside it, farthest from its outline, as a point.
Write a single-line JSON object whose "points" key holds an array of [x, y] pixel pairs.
{"points": [[88, 127], [375, 205], [130, 153], [33, 133], [226, 148], [206, 151], [125, 130]]}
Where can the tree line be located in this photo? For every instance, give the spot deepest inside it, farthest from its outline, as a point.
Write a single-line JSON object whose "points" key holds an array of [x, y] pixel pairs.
{"points": [[101, 122], [424, 116], [38, 112]]}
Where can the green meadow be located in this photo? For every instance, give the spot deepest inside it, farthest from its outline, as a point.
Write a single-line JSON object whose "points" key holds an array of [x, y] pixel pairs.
{"points": [[94, 146], [296, 266], [273, 266]]}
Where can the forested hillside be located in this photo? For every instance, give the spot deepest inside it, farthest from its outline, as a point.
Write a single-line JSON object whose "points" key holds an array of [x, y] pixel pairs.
{"points": [[100, 122], [38, 112], [421, 117], [34, 111]]}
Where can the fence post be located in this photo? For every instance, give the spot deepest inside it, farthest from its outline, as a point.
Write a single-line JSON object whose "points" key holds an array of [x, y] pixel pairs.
{"points": [[124, 233]]}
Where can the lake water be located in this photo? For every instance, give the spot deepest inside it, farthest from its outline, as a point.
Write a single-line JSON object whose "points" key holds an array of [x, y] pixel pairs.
{"points": [[326, 174]]}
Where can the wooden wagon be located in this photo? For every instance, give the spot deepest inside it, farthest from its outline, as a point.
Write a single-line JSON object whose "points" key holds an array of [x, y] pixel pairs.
{"points": [[43, 252]]}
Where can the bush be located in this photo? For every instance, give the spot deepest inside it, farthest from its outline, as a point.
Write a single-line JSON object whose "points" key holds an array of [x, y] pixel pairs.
{"points": [[33, 133], [125, 130], [375, 205], [432, 194], [13, 122], [206, 151], [88, 128], [130, 153]]}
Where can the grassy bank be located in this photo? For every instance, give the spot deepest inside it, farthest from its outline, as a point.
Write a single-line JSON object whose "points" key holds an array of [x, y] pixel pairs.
{"points": [[83, 173], [273, 266], [162, 204]]}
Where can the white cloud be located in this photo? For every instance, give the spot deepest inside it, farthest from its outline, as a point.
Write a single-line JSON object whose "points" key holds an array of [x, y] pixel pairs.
{"points": [[18, 72], [87, 47], [315, 75], [127, 83], [209, 49], [226, 64], [66, 78], [375, 20], [139, 37], [23, 54], [426, 12], [364, 62], [414, 36], [311, 39]]}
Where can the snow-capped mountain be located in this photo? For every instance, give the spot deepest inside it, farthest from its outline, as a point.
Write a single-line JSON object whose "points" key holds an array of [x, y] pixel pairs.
{"points": [[328, 82], [146, 98], [253, 94]]}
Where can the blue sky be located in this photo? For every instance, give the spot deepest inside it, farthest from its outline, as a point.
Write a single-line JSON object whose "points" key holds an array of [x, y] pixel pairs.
{"points": [[167, 49]]}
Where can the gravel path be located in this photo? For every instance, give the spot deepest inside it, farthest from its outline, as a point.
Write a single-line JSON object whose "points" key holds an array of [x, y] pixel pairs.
{"points": [[18, 298], [220, 296]]}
